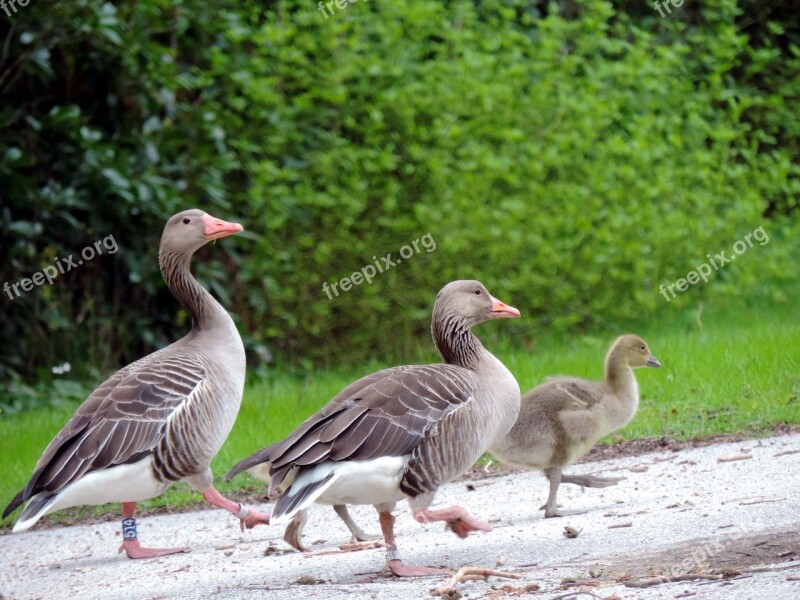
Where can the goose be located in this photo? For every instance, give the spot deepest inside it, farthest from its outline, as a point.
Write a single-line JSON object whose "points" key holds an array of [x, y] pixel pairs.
{"points": [[158, 420], [258, 466], [560, 420], [402, 432]]}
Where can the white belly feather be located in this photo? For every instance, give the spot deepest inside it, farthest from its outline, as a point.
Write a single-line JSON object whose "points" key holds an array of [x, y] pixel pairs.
{"points": [[374, 481], [123, 483]]}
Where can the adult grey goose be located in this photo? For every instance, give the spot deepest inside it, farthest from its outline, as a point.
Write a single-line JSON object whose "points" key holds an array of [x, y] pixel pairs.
{"points": [[404, 431], [560, 420], [158, 420]]}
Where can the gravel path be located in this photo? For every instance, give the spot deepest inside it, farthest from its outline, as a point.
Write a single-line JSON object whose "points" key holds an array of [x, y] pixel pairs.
{"points": [[735, 524]]}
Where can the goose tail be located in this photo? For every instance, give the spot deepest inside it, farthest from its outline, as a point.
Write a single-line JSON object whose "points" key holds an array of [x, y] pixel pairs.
{"points": [[36, 508], [305, 489]]}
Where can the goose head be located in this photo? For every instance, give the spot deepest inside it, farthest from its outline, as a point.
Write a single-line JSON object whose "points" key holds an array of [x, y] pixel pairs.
{"points": [[471, 303], [190, 229], [635, 352]]}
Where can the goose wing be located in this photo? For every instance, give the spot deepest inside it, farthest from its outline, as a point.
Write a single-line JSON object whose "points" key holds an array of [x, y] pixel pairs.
{"points": [[572, 393], [388, 413], [122, 421]]}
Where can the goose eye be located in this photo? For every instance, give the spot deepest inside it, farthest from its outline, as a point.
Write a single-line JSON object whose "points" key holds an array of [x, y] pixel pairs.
{"points": [[642, 347], [186, 220], [477, 292]]}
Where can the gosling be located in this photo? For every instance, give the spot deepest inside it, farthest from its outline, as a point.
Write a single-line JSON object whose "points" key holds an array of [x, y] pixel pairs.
{"points": [[560, 420]]}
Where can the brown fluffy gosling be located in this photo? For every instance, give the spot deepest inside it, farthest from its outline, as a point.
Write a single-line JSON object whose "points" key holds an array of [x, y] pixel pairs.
{"points": [[560, 420]]}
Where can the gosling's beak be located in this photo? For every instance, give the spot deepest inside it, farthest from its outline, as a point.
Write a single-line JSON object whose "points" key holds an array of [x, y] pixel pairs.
{"points": [[653, 362], [217, 228], [501, 310]]}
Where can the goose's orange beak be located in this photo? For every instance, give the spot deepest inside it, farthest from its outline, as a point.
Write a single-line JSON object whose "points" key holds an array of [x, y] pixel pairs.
{"points": [[501, 310], [217, 228]]}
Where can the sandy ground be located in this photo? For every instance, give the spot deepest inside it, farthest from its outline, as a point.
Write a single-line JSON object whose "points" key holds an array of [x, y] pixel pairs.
{"points": [[727, 529]]}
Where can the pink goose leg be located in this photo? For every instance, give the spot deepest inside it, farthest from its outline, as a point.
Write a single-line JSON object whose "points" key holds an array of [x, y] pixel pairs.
{"points": [[393, 562], [131, 544], [458, 520], [248, 517]]}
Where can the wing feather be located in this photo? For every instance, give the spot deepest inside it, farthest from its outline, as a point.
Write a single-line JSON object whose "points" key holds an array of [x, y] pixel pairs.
{"points": [[571, 392], [388, 413], [121, 421]]}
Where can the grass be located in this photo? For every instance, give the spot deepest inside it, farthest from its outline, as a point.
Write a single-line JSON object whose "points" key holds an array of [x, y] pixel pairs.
{"points": [[733, 367]]}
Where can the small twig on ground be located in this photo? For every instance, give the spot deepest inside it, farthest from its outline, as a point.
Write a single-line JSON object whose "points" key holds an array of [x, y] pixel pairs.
{"points": [[725, 575], [178, 570], [228, 546], [651, 581], [793, 565], [470, 574], [472, 485], [620, 525], [760, 501], [785, 452], [504, 591], [667, 459], [735, 457], [355, 546], [739, 576], [348, 547], [256, 586]]}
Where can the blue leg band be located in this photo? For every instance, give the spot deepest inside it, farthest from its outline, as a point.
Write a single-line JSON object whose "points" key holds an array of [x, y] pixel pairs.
{"points": [[129, 528]]}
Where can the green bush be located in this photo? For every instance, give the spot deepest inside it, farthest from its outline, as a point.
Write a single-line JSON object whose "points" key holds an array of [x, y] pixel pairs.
{"points": [[574, 156]]}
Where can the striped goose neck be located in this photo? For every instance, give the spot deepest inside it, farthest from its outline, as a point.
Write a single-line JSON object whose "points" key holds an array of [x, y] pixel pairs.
{"points": [[193, 296], [455, 341]]}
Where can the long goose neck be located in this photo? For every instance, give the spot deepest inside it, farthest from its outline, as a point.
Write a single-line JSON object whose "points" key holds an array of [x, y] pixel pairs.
{"points": [[619, 374], [205, 310], [455, 341]]}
